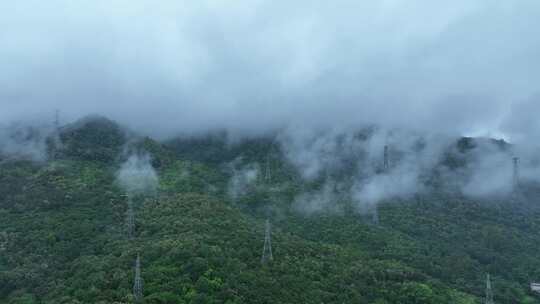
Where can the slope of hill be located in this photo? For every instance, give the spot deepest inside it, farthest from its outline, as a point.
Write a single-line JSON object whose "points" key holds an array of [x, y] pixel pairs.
{"points": [[63, 233]]}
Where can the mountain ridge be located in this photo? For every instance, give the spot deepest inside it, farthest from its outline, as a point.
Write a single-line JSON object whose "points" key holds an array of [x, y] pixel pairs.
{"points": [[64, 239]]}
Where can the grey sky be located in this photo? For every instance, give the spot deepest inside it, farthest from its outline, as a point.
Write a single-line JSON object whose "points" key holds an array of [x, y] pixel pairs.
{"points": [[463, 66]]}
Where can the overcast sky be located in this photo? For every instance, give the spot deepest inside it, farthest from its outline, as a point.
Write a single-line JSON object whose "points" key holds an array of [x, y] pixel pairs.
{"points": [[462, 66]]}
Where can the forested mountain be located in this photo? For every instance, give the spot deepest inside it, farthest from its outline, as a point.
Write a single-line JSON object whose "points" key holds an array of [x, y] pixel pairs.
{"points": [[199, 208]]}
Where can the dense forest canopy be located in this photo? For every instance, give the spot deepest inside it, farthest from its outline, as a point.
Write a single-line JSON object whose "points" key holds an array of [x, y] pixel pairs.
{"points": [[198, 208]]}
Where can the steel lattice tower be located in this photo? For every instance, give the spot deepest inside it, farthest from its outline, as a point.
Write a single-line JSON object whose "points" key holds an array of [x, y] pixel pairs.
{"points": [[267, 176], [267, 250], [130, 220], [516, 173], [386, 164], [375, 215], [57, 120], [138, 283], [489, 291]]}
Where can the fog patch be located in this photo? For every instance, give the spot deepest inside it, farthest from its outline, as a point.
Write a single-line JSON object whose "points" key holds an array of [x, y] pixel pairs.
{"points": [[351, 165], [490, 170], [314, 152], [24, 141], [244, 177], [402, 183], [137, 176], [324, 200]]}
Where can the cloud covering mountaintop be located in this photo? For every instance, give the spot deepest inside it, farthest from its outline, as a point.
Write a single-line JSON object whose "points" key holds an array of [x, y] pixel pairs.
{"points": [[462, 67]]}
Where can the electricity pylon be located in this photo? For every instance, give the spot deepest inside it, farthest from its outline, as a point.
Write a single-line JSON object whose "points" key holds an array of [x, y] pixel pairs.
{"points": [[267, 176], [516, 174], [489, 291], [130, 220], [267, 250], [386, 164], [138, 283], [57, 120], [375, 215]]}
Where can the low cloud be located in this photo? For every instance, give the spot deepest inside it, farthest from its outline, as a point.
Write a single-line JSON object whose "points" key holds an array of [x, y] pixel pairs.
{"points": [[25, 141], [323, 200], [351, 166], [244, 177], [137, 176], [255, 66], [417, 73]]}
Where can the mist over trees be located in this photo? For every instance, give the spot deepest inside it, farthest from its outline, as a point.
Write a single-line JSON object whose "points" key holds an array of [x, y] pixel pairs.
{"points": [[269, 151], [199, 205]]}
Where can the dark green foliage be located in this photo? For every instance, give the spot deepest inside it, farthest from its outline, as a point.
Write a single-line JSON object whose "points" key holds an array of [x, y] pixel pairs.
{"points": [[211, 148], [215, 148], [62, 237], [92, 139]]}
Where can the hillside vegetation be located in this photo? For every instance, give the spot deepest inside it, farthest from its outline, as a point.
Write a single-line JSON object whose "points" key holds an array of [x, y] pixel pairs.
{"points": [[63, 232]]}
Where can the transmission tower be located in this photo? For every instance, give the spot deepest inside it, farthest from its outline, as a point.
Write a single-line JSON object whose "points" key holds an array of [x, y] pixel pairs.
{"points": [[267, 250], [57, 120], [130, 220], [375, 215], [138, 283], [267, 176], [386, 162], [489, 291], [516, 173], [335, 187]]}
